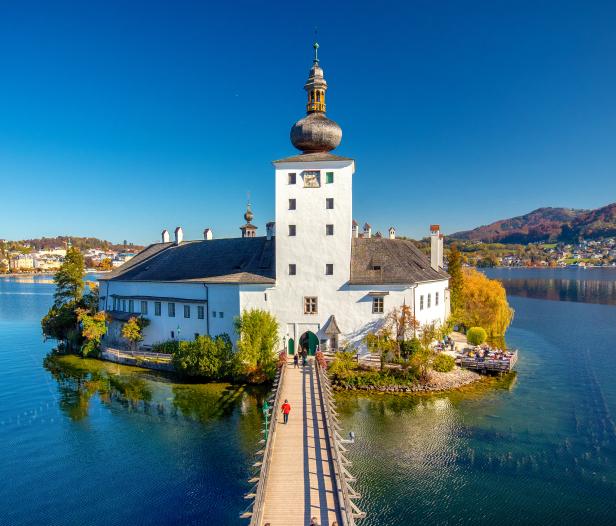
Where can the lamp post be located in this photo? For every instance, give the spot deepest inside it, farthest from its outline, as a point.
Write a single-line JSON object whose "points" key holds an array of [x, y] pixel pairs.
{"points": [[266, 414]]}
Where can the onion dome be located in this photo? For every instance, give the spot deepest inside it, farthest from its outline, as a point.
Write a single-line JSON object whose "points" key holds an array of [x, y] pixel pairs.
{"points": [[315, 132]]}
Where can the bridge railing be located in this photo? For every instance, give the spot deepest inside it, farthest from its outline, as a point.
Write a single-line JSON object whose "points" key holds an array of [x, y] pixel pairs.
{"points": [[254, 512], [343, 478]]}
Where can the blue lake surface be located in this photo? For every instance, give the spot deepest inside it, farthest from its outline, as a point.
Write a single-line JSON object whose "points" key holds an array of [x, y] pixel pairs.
{"points": [[85, 442]]}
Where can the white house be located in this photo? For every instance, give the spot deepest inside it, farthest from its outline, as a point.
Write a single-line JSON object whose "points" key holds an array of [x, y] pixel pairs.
{"points": [[325, 282]]}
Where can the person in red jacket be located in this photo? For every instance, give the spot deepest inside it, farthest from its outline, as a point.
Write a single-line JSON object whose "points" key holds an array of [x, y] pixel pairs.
{"points": [[286, 409]]}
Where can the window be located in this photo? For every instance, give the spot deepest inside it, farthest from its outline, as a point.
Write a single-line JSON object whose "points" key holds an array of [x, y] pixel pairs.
{"points": [[329, 269], [157, 308], [329, 203], [115, 303], [292, 204], [221, 314], [214, 314], [292, 230], [310, 305], [292, 269], [172, 335], [329, 230], [420, 302], [200, 312], [329, 177], [265, 296], [429, 297], [196, 335], [378, 305], [131, 306], [186, 311], [124, 305], [376, 267], [144, 307], [435, 299], [171, 310], [292, 178]]}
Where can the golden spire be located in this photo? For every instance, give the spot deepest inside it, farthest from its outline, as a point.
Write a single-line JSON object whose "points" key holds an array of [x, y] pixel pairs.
{"points": [[315, 85]]}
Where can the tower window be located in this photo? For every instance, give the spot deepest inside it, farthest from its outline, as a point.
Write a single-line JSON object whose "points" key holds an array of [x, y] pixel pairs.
{"points": [[292, 204], [329, 230], [329, 177], [292, 269], [292, 230], [310, 305], [329, 203], [292, 178], [378, 305], [329, 269]]}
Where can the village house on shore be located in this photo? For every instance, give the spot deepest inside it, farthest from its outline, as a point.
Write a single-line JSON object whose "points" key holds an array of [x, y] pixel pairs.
{"points": [[326, 282]]}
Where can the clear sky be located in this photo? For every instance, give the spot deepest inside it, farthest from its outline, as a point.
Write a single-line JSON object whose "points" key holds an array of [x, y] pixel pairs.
{"points": [[118, 119]]}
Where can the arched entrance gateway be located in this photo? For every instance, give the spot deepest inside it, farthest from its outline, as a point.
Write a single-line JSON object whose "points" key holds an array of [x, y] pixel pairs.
{"points": [[309, 341], [291, 346]]}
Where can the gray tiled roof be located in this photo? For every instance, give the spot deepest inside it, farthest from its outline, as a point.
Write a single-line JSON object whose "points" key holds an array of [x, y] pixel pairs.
{"points": [[235, 260], [311, 157], [400, 262]]}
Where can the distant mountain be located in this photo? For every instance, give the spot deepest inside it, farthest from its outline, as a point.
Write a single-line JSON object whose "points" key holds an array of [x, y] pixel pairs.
{"points": [[547, 224]]}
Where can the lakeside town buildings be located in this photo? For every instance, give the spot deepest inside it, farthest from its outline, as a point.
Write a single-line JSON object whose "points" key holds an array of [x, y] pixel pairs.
{"points": [[326, 282]]}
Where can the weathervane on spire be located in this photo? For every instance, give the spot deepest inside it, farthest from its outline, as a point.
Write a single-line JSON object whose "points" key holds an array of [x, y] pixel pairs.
{"points": [[316, 46]]}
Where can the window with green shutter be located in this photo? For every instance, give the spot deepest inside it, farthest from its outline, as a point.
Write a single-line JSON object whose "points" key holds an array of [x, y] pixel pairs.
{"points": [[329, 177]]}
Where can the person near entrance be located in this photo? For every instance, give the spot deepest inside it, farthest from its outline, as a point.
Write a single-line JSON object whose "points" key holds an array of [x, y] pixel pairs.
{"points": [[304, 357], [295, 360], [286, 409]]}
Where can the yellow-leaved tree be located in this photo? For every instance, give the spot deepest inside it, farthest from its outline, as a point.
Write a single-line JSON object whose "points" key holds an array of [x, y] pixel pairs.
{"points": [[484, 304]]}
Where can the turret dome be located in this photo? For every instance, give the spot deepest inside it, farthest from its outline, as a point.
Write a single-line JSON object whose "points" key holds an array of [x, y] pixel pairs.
{"points": [[315, 132]]}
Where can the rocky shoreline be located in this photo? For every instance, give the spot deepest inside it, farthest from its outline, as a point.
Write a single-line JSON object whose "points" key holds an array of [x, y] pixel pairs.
{"points": [[436, 382]]}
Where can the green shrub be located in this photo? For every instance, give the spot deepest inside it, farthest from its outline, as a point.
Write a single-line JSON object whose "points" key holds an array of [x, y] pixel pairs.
{"points": [[476, 335], [205, 357], [443, 363], [257, 345], [343, 362], [167, 347], [409, 347]]}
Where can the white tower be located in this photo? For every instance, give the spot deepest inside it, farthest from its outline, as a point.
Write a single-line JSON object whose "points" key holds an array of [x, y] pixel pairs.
{"points": [[313, 215]]}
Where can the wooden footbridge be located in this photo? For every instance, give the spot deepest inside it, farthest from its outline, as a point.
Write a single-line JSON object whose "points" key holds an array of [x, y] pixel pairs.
{"points": [[302, 474]]}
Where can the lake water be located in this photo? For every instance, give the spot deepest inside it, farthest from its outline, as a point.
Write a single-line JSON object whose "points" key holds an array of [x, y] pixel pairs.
{"points": [[538, 450], [84, 442]]}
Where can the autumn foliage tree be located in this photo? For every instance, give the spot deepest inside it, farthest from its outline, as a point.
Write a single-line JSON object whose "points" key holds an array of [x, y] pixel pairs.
{"points": [[132, 330], [484, 304]]}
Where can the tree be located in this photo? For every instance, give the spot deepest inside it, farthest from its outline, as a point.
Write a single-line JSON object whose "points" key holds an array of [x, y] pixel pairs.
{"points": [[106, 264], [93, 328], [484, 304], [476, 335], [454, 269], [132, 330], [400, 324], [69, 278], [257, 343]]}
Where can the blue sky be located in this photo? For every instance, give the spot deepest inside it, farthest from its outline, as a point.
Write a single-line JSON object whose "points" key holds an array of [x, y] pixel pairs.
{"points": [[117, 120]]}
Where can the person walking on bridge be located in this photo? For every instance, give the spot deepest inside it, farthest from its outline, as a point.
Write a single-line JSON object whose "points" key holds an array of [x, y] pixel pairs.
{"points": [[286, 409]]}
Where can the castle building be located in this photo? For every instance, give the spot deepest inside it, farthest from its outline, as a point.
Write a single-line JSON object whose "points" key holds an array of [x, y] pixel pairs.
{"points": [[326, 282]]}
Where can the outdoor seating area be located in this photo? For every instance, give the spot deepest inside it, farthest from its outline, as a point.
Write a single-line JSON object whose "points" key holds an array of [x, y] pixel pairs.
{"points": [[486, 359]]}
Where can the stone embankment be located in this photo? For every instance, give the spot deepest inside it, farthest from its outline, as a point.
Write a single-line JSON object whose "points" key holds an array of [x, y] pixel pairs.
{"points": [[436, 382]]}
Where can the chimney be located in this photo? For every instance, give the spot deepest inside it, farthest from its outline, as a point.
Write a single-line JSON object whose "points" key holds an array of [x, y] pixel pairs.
{"points": [[436, 247], [179, 235], [208, 234], [355, 229], [367, 230], [270, 230], [392, 232], [165, 236]]}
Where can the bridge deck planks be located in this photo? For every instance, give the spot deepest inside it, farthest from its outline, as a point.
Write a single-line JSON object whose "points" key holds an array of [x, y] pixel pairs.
{"points": [[300, 484]]}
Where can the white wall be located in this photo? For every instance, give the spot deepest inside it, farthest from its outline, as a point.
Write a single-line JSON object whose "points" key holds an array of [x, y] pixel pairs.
{"points": [[221, 299]]}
